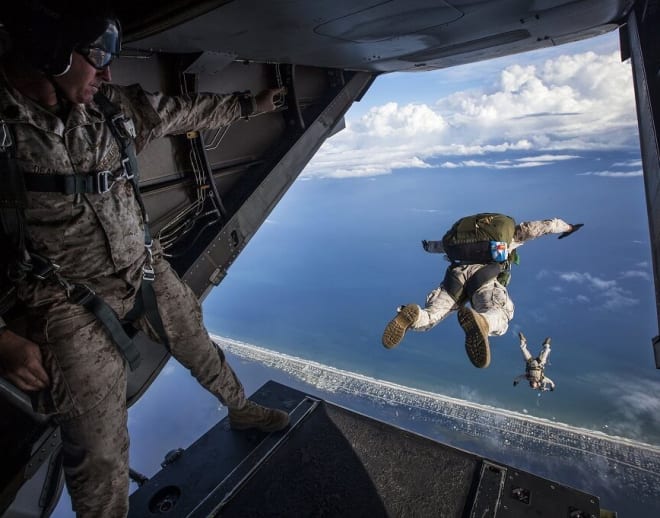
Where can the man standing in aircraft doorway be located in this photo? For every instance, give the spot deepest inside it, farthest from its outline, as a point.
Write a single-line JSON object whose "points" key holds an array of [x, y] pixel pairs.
{"points": [[78, 250], [481, 249]]}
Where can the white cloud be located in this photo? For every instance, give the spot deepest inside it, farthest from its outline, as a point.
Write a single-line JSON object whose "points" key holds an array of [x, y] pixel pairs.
{"points": [[516, 163], [607, 293], [551, 110], [636, 401], [614, 174], [636, 273], [628, 163], [168, 369]]}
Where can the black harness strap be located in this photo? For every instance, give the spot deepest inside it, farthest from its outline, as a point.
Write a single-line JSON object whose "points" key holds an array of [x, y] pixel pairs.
{"points": [[481, 277], [13, 187], [85, 297], [93, 183], [13, 201], [124, 135], [462, 292]]}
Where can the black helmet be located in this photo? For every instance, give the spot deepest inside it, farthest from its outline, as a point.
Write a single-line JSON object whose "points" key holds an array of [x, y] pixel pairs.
{"points": [[46, 33]]}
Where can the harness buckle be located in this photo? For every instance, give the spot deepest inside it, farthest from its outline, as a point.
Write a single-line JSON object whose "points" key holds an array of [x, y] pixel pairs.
{"points": [[104, 181], [5, 136], [148, 273], [124, 126], [128, 172], [42, 268], [80, 294]]}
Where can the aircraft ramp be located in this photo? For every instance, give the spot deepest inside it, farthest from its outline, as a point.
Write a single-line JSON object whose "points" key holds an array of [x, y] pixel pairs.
{"points": [[334, 462]]}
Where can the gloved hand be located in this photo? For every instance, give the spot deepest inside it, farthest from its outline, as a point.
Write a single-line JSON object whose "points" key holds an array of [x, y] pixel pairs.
{"points": [[269, 100], [425, 245], [574, 228], [515, 383]]}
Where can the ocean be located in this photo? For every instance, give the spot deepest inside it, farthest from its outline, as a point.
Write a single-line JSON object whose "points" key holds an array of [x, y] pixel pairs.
{"points": [[325, 273]]}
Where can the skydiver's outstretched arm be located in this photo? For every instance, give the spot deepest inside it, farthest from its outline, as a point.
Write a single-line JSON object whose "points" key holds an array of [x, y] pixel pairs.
{"points": [[518, 379], [548, 384], [523, 347], [528, 230]]}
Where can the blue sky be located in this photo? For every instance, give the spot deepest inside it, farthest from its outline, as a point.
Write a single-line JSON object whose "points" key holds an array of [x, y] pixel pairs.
{"points": [[550, 104]]}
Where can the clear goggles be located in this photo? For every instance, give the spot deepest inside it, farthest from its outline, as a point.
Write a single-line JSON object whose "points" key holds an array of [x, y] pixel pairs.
{"points": [[103, 49]]}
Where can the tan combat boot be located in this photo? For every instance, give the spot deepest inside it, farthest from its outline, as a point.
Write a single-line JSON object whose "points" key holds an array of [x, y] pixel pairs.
{"points": [[396, 329], [258, 417], [476, 336]]}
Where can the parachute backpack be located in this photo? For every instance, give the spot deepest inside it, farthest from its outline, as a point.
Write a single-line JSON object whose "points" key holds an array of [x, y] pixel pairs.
{"points": [[480, 239], [483, 238]]}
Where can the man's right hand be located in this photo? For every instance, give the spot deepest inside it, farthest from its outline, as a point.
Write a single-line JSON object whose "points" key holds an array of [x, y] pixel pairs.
{"points": [[21, 362], [425, 245], [269, 100]]}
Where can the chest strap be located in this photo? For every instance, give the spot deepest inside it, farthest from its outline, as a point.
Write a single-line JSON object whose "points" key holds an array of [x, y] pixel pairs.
{"points": [[91, 183], [13, 202]]}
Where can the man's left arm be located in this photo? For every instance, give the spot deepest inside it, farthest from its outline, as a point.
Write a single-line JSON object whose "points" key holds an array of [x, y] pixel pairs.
{"points": [[156, 115], [528, 230]]}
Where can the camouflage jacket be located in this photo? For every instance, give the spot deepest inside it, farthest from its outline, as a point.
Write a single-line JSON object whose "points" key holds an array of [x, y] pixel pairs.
{"points": [[95, 238]]}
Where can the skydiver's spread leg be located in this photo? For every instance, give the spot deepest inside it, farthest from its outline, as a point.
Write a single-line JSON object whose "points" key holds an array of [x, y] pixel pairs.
{"points": [[493, 303], [477, 346], [396, 328], [191, 345], [489, 316], [438, 305]]}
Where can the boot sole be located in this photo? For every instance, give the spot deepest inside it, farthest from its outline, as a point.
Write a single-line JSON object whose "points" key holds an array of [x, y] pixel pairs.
{"points": [[396, 329], [476, 346]]}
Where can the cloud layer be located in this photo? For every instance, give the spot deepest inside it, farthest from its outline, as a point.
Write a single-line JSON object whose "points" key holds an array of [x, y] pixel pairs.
{"points": [[610, 294], [552, 110]]}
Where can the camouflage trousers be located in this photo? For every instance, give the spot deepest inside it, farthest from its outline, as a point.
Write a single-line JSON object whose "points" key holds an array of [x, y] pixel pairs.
{"points": [[491, 300], [88, 387]]}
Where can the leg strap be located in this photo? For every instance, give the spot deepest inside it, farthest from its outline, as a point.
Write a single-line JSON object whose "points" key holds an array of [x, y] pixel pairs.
{"points": [[483, 275], [85, 297], [147, 305]]}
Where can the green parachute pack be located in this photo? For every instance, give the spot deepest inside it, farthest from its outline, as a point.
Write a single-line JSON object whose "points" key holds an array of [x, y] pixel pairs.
{"points": [[481, 238]]}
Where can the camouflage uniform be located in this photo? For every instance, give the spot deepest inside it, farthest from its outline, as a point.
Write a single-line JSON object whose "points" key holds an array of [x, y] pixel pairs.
{"points": [[534, 368], [491, 300], [98, 239]]}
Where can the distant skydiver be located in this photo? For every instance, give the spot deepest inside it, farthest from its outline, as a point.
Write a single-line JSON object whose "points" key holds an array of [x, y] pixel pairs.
{"points": [[534, 367], [480, 249]]}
